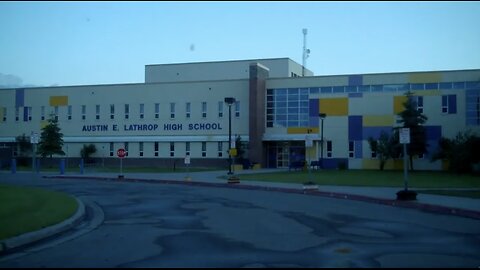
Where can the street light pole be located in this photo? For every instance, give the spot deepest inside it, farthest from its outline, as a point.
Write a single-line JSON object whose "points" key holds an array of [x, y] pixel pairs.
{"points": [[322, 116], [229, 101]]}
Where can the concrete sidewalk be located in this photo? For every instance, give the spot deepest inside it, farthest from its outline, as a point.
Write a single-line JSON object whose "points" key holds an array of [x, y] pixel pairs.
{"points": [[385, 195]]}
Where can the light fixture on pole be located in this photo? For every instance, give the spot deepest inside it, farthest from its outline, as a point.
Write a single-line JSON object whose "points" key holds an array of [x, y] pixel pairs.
{"points": [[230, 101], [322, 117]]}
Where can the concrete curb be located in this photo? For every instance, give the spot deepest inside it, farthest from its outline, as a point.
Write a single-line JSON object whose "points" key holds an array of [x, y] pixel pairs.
{"points": [[31, 237], [404, 204]]}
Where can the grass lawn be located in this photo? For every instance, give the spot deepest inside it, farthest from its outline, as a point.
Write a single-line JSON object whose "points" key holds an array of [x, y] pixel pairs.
{"points": [[370, 178], [475, 194], [25, 209]]}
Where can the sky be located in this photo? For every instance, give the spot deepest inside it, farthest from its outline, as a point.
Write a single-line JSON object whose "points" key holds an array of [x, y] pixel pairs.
{"points": [[88, 43]]}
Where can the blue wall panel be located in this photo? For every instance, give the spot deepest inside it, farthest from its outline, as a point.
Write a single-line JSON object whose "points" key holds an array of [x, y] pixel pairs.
{"points": [[452, 104], [355, 80], [355, 127], [19, 97], [313, 108], [375, 132], [433, 132]]}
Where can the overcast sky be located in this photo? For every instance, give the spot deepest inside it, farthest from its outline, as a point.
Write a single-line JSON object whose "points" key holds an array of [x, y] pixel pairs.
{"points": [[77, 43]]}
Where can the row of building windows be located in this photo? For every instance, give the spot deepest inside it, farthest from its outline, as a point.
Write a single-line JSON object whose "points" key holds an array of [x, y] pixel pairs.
{"points": [[156, 149], [383, 87], [290, 107], [27, 111]]}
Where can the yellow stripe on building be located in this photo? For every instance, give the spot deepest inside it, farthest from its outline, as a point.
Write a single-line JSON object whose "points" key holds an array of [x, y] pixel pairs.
{"points": [[378, 120], [398, 104], [425, 77], [58, 100], [302, 130], [374, 164], [427, 93], [43, 124], [334, 106]]}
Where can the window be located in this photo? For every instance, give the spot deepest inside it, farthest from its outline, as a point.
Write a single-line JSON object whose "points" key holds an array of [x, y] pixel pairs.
{"points": [[56, 113], [84, 112], [142, 111], [473, 107], [220, 149], [69, 112], [420, 104], [27, 114], [204, 109], [126, 149], [187, 148], [140, 147], [172, 111], [97, 112], [111, 149], [329, 149], [204, 149], [237, 108], [351, 149], [17, 112], [4, 114], [112, 111], [155, 149], [220, 109], [42, 113], [127, 111], [449, 104], [172, 148], [187, 109], [157, 110]]}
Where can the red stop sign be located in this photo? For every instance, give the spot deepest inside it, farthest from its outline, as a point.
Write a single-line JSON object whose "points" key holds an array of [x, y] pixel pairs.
{"points": [[121, 153]]}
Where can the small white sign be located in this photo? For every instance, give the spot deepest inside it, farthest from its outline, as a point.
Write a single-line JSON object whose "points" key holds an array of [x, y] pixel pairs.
{"points": [[34, 138], [308, 141], [187, 160], [404, 135]]}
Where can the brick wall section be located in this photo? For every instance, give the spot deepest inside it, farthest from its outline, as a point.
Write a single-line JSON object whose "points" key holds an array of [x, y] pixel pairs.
{"points": [[257, 151]]}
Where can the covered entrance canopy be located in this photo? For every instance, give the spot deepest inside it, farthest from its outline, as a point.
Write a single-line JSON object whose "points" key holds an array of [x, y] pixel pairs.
{"points": [[284, 149]]}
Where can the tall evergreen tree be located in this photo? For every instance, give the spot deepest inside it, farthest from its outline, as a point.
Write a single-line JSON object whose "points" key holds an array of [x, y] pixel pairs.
{"points": [[411, 118], [51, 139]]}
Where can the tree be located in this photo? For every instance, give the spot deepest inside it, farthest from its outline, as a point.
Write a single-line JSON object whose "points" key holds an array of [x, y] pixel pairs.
{"points": [[239, 145], [87, 151], [386, 147], [24, 148], [51, 139], [462, 152], [411, 118]]}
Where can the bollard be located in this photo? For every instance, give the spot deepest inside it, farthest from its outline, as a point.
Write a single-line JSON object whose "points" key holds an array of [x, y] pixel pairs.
{"points": [[37, 167], [81, 166], [62, 166], [14, 165]]}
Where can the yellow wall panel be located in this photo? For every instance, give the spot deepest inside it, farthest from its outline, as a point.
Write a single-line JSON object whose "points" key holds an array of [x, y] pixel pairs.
{"points": [[302, 130], [398, 103], [425, 77], [58, 100], [427, 93], [43, 124], [377, 120], [334, 106]]}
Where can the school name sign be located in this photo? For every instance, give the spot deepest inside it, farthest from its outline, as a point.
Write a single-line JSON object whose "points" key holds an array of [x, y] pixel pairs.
{"points": [[151, 127]]}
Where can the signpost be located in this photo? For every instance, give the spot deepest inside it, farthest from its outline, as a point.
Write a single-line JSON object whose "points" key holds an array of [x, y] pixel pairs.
{"points": [[121, 155], [187, 163], [405, 139], [34, 138]]}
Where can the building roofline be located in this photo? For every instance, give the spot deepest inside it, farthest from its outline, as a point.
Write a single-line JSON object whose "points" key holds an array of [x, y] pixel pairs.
{"points": [[223, 61], [383, 73]]}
